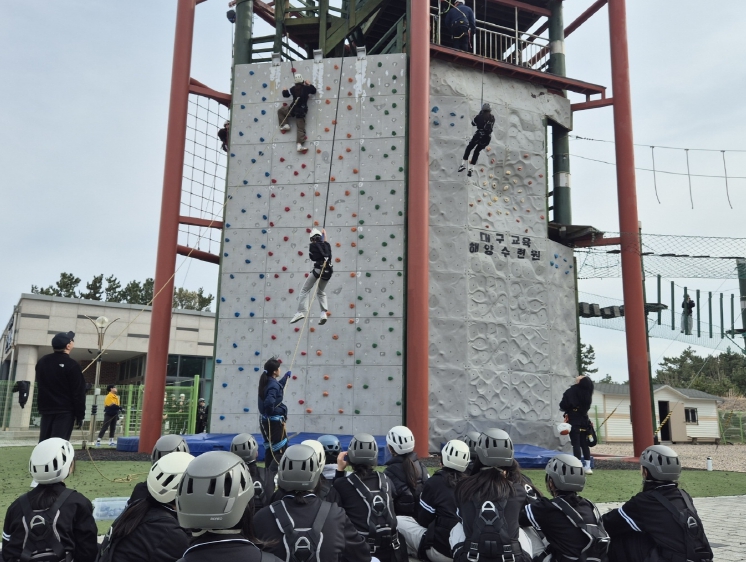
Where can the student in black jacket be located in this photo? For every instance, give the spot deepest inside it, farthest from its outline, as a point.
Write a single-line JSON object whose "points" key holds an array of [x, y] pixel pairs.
{"points": [[320, 253], [61, 386], [484, 122], [244, 445], [166, 444], [406, 472], [301, 521], [148, 530], [496, 491], [659, 523], [576, 401], [298, 109], [366, 497], [560, 519], [67, 513], [427, 535]]}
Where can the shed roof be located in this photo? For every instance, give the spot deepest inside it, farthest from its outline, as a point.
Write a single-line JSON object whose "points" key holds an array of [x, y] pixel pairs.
{"points": [[623, 390]]}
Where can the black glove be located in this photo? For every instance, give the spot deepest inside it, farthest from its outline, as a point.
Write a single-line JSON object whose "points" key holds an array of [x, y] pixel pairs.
{"points": [[79, 423]]}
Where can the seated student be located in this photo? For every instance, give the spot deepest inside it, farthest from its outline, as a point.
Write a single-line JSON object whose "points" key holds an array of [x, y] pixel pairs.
{"points": [[489, 503], [51, 522], [245, 446], [407, 474], [166, 444], [659, 523], [148, 530], [215, 501], [332, 448], [325, 484], [427, 536], [367, 498], [471, 439], [314, 530], [570, 523]]}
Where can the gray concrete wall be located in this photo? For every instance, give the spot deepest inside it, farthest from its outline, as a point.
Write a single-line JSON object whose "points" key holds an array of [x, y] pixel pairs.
{"points": [[349, 370], [502, 326]]}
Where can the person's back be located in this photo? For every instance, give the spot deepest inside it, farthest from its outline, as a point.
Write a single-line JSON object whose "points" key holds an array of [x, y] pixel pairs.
{"points": [[661, 518], [405, 470], [51, 518], [212, 547]]}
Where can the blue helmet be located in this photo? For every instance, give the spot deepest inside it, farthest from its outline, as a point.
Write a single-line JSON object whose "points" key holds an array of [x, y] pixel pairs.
{"points": [[332, 447]]}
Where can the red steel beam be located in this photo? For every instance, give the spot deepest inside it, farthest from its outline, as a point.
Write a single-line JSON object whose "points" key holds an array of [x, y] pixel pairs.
{"points": [[418, 265], [634, 304], [592, 104], [197, 254], [196, 87], [165, 268], [597, 242], [194, 221], [524, 7]]}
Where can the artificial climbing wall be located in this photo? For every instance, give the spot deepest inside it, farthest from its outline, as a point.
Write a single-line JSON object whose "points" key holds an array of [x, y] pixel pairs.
{"points": [[502, 296], [349, 371]]}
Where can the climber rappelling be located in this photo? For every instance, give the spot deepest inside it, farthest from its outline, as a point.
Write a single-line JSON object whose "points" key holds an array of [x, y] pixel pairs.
{"points": [[320, 253], [298, 109]]}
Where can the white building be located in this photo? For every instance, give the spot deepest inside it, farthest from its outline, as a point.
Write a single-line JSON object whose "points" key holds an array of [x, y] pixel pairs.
{"points": [[694, 414], [37, 318]]}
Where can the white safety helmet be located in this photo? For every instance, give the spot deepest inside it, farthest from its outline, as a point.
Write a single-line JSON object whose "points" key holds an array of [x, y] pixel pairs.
{"points": [[400, 439], [298, 78], [165, 475], [51, 461], [456, 455], [314, 232], [318, 449]]}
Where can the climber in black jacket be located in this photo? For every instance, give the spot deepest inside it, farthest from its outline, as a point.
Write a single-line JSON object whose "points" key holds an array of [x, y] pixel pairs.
{"points": [[406, 472], [484, 122], [320, 253]]}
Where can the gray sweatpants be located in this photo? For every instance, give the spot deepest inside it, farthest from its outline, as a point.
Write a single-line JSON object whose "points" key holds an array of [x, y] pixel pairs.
{"points": [[413, 533], [304, 301]]}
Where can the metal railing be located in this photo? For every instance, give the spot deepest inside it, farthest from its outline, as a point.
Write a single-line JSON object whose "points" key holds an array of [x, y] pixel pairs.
{"points": [[498, 43], [732, 426]]}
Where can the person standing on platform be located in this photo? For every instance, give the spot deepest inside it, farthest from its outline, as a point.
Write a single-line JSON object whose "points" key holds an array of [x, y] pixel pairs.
{"points": [[576, 401], [272, 417], [686, 315], [298, 109], [460, 25], [61, 398]]}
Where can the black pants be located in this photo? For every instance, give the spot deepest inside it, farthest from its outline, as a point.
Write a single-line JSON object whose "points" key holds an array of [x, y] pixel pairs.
{"points": [[477, 144], [111, 423], [273, 433], [461, 43], [579, 440], [56, 425]]}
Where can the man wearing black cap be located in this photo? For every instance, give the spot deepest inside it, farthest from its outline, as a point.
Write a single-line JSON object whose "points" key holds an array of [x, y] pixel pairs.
{"points": [[61, 386]]}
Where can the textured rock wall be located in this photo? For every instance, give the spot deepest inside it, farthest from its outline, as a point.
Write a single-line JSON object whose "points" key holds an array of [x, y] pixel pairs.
{"points": [[502, 296], [349, 370]]}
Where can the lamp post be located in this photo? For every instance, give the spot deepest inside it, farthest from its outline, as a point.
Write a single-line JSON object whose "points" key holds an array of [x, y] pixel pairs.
{"points": [[102, 324]]}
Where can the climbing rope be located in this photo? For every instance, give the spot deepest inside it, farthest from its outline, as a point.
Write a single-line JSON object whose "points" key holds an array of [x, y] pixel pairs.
{"points": [[124, 480]]}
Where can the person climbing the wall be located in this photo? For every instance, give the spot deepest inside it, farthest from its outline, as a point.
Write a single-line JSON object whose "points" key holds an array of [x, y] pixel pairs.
{"points": [[461, 25], [298, 109], [484, 122], [224, 135], [686, 315], [320, 253], [273, 414]]}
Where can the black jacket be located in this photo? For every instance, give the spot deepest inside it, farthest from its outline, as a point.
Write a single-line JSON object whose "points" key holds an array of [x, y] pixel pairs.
{"points": [[468, 513], [575, 405], [406, 499], [223, 136], [340, 541], [258, 477], [212, 547], [317, 251], [564, 538], [437, 512], [158, 538], [688, 306], [643, 523], [75, 525], [460, 20], [301, 93], [61, 385], [139, 492], [484, 122], [271, 403]]}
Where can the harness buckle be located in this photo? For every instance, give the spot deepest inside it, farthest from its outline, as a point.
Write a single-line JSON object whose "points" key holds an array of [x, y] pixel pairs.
{"points": [[473, 554], [372, 545]]}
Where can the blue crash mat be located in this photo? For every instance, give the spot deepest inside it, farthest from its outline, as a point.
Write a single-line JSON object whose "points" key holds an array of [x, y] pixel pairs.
{"points": [[529, 456]]}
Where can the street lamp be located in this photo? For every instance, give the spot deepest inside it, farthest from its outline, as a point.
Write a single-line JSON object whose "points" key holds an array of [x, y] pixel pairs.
{"points": [[102, 324]]}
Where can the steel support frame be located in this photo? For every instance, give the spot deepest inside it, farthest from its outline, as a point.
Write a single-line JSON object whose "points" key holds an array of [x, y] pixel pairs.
{"points": [[160, 327], [634, 306], [418, 266]]}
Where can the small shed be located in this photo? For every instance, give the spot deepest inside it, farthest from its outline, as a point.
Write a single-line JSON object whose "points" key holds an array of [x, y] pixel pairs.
{"points": [[693, 413]]}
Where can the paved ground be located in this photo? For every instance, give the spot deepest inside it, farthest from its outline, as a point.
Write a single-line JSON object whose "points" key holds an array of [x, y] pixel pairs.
{"points": [[724, 457]]}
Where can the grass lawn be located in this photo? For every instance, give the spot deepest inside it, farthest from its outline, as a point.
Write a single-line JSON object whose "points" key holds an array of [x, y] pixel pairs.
{"points": [[603, 485]]}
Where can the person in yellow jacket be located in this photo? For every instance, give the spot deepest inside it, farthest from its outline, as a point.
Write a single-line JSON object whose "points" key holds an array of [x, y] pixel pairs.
{"points": [[111, 414]]}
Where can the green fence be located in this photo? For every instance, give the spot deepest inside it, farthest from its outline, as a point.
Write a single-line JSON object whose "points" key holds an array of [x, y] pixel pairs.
{"points": [[732, 426], [179, 407]]}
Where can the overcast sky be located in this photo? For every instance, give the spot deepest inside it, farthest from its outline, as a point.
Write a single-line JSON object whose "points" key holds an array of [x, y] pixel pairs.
{"points": [[84, 102]]}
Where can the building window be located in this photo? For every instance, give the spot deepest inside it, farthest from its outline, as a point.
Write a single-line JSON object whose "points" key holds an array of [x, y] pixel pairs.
{"points": [[690, 415]]}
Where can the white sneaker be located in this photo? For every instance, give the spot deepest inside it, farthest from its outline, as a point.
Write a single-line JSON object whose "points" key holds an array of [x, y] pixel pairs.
{"points": [[461, 168], [298, 317], [587, 466], [285, 127], [300, 148], [98, 442], [112, 443], [322, 319]]}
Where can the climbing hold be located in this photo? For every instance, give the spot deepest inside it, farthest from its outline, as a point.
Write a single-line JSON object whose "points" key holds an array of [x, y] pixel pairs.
{"points": [[357, 411], [301, 401], [266, 298], [350, 321], [225, 385], [327, 103], [332, 178], [350, 353], [236, 314], [264, 85], [240, 368], [435, 109], [334, 337], [218, 360], [358, 361]]}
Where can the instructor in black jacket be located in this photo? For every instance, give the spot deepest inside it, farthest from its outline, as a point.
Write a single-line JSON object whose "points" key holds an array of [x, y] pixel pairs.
{"points": [[61, 390], [576, 401]]}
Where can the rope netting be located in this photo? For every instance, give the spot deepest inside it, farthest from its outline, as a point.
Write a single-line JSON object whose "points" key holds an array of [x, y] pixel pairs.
{"points": [[205, 164], [671, 256]]}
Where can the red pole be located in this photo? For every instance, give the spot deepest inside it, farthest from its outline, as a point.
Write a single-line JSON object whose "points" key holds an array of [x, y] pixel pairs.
{"points": [[418, 391], [160, 324], [634, 305]]}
